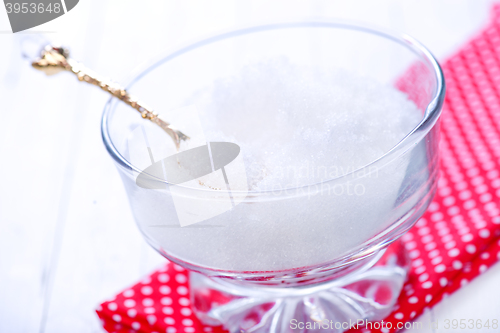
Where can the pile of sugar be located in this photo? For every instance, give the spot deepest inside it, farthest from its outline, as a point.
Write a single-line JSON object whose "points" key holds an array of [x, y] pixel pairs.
{"points": [[297, 126]]}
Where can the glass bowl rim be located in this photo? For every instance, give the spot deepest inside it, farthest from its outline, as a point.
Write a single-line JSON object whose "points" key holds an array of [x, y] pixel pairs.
{"points": [[431, 115]]}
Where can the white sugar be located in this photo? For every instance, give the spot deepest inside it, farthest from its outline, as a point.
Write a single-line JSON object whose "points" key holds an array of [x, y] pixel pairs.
{"points": [[295, 127]]}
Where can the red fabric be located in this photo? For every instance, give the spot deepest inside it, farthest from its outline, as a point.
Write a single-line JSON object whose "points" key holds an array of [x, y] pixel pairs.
{"points": [[455, 241]]}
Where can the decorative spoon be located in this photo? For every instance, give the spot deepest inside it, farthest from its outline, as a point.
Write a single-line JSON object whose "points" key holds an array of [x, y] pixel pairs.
{"points": [[55, 59]]}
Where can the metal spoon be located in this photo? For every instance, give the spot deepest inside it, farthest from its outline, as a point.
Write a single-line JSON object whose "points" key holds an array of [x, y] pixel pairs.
{"points": [[56, 59]]}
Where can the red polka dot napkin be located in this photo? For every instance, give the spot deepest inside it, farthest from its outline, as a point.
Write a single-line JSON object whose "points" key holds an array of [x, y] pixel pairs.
{"points": [[456, 240]]}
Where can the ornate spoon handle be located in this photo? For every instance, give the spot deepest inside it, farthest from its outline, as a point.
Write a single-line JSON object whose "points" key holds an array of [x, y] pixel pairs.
{"points": [[56, 59]]}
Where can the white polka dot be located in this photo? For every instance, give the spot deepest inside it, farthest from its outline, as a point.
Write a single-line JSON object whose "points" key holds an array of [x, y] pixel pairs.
{"points": [[485, 255], [424, 231], [179, 268], [181, 278], [186, 311], [436, 260], [146, 290], [458, 220], [417, 262], [481, 189], [183, 301], [187, 322], [469, 204], [439, 225], [484, 233], [443, 281], [413, 300], [480, 225], [421, 223], [112, 306], [457, 264], [151, 319], [165, 290], [433, 254], [128, 293], [171, 330], [420, 269], [428, 298], [485, 197], [147, 302], [407, 237], [477, 180], [470, 248], [169, 321], [496, 220], [447, 238], [483, 268], [467, 238], [129, 303], [440, 268], [427, 285], [493, 174], [147, 280], [189, 329], [399, 316], [117, 318], [463, 282], [423, 277], [149, 310], [443, 231], [448, 201], [413, 314], [167, 310], [453, 252], [430, 246], [136, 325], [166, 301], [464, 195], [131, 313], [427, 239], [414, 254], [433, 206], [182, 290], [163, 278], [411, 245], [452, 211], [494, 212]]}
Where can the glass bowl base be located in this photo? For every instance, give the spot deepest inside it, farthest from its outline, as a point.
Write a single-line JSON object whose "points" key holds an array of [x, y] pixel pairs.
{"points": [[368, 294]]}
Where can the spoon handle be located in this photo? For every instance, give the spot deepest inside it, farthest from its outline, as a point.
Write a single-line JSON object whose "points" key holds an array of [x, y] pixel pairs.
{"points": [[56, 59]]}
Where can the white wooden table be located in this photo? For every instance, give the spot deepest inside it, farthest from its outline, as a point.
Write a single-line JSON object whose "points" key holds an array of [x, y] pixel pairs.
{"points": [[68, 240]]}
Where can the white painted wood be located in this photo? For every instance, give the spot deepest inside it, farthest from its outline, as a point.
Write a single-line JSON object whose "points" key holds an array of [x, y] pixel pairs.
{"points": [[478, 301], [68, 240]]}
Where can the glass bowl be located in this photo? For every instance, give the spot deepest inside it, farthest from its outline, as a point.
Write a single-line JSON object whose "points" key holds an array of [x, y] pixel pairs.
{"points": [[261, 259]]}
